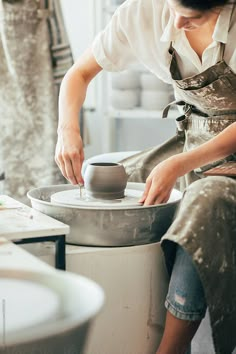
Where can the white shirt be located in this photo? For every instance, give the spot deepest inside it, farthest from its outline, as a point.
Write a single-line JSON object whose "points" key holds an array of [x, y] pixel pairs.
{"points": [[143, 30]]}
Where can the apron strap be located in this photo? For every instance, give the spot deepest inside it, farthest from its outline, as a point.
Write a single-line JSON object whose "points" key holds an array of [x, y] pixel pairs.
{"points": [[186, 108], [45, 9]]}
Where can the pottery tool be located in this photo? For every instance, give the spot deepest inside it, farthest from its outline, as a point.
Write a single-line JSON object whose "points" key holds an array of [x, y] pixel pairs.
{"points": [[80, 189]]}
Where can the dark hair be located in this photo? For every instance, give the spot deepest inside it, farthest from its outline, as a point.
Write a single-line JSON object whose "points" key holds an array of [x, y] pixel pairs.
{"points": [[204, 5]]}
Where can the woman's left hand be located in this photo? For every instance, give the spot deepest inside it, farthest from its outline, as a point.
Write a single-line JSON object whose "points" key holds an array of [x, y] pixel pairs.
{"points": [[161, 181]]}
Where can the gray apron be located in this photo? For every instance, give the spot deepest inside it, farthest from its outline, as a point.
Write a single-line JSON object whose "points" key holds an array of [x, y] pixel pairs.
{"points": [[208, 233], [207, 113], [34, 56], [205, 224]]}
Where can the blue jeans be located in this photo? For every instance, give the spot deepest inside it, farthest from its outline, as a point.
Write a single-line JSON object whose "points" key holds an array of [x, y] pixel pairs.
{"points": [[185, 299]]}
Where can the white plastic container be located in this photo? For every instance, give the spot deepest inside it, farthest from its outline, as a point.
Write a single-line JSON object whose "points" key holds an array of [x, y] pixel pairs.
{"points": [[135, 282]]}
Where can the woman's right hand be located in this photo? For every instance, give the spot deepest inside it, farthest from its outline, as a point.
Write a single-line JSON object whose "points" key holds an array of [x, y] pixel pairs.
{"points": [[69, 155]]}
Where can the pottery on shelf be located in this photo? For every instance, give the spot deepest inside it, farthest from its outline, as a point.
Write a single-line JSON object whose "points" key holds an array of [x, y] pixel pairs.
{"points": [[125, 80], [104, 180], [151, 82], [125, 99], [154, 100]]}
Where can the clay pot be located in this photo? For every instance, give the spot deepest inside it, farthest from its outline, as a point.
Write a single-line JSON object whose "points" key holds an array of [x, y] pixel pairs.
{"points": [[105, 180]]}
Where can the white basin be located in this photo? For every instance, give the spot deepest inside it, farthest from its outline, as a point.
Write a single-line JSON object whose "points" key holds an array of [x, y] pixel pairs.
{"points": [[46, 312]]}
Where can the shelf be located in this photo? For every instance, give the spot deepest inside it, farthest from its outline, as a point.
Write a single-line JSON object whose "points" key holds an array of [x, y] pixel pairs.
{"points": [[139, 113]]}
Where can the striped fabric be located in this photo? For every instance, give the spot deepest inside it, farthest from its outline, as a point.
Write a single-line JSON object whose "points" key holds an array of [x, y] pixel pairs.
{"points": [[35, 55], [60, 48], [61, 53]]}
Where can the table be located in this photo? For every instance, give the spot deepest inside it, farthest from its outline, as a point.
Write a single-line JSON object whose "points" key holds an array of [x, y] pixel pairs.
{"points": [[14, 257], [22, 224]]}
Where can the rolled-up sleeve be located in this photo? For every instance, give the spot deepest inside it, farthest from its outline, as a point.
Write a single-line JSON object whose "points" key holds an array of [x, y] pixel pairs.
{"points": [[111, 47]]}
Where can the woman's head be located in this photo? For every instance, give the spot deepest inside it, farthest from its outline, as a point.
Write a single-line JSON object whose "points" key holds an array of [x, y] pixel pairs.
{"points": [[192, 14], [203, 5]]}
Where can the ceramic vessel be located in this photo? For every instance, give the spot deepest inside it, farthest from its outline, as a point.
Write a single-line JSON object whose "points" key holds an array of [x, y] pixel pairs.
{"points": [[154, 100], [151, 82], [105, 180], [80, 300], [125, 80], [125, 99]]}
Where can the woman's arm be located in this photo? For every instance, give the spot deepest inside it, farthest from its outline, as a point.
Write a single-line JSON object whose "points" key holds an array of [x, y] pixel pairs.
{"points": [[220, 146], [69, 154], [162, 179]]}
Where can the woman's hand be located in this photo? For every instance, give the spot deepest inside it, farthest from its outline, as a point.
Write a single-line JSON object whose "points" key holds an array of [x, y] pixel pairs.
{"points": [[161, 181], [69, 155]]}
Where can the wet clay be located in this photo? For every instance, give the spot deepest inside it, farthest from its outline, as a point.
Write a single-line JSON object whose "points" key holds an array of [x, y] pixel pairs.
{"points": [[105, 180]]}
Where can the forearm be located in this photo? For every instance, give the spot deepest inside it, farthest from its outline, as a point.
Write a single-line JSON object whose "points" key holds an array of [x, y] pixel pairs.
{"points": [[215, 149], [73, 90], [71, 98]]}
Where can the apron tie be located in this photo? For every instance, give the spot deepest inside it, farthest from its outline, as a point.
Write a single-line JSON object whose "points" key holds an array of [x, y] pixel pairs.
{"points": [[181, 121]]}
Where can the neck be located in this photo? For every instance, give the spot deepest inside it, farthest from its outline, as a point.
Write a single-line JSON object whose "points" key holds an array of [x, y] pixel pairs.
{"points": [[213, 19], [200, 38]]}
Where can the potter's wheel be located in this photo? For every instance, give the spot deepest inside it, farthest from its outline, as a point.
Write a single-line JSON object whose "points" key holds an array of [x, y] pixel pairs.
{"points": [[114, 224], [77, 199]]}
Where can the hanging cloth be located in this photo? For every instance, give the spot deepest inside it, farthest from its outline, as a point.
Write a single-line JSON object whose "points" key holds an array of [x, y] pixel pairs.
{"points": [[35, 55]]}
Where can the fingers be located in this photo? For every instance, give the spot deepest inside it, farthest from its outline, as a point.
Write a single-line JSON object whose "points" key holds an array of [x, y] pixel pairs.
{"points": [[61, 165], [156, 198], [76, 165], [70, 172], [154, 194], [70, 166], [146, 191]]}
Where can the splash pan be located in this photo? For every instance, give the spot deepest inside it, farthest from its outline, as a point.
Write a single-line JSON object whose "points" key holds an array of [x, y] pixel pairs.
{"points": [[111, 224]]}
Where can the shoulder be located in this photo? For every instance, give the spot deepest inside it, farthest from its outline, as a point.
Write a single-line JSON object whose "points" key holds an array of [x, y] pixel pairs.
{"points": [[144, 12]]}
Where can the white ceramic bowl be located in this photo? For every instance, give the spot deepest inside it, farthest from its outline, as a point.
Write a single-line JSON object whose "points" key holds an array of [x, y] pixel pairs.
{"points": [[125, 99], [28, 304], [154, 100], [125, 80], [61, 329], [150, 82]]}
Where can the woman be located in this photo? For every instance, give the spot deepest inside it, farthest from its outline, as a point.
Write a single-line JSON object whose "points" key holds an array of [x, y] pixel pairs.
{"points": [[189, 43]]}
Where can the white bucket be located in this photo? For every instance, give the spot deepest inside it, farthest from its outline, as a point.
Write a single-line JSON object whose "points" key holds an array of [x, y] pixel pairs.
{"points": [[74, 301]]}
